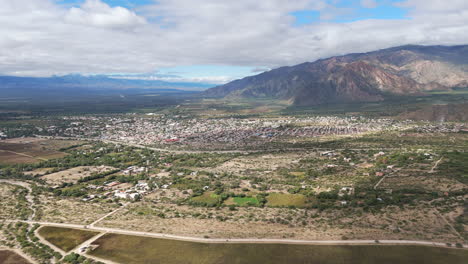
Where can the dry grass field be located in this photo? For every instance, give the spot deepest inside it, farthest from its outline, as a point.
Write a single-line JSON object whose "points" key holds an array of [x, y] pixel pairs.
{"points": [[74, 174], [30, 150], [413, 223], [64, 238], [39, 172], [10, 257], [8, 157], [133, 249], [11, 207], [70, 210]]}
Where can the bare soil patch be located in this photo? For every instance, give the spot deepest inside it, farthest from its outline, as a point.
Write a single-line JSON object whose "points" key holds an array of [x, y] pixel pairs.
{"points": [[10, 257]]}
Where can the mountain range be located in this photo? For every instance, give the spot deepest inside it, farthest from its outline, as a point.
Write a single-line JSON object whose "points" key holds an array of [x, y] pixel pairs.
{"points": [[79, 85], [361, 77]]}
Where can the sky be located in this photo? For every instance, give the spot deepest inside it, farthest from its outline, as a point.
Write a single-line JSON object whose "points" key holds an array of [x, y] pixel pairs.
{"points": [[210, 41]]}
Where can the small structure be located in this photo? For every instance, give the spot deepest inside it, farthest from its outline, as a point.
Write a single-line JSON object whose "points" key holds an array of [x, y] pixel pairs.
{"points": [[328, 153], [381, 153], [346, 191]]}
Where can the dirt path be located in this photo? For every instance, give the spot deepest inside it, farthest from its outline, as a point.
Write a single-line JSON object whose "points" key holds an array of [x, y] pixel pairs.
{"points": [[449, 224], [435, 165], [107, 215], [21, 253], [88, 243], [241, 240], [25, 155], [381, 180], [45, 242], [206, 151]]}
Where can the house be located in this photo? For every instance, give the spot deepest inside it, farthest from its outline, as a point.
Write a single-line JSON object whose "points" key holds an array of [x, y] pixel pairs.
{"points": [[328, 153], [133, 196], [142, 187], [112, 184], [121, 194], [89, 198], [134, 170], [346, 191]]}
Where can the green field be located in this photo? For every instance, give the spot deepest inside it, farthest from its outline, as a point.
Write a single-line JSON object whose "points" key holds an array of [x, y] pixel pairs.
{"points": [[207, 199], [242, 201], [65, 238], [133, 249], [286, 200]]}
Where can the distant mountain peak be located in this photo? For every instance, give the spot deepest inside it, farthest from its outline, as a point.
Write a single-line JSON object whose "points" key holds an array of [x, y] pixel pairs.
{"points": [[358, 77]]}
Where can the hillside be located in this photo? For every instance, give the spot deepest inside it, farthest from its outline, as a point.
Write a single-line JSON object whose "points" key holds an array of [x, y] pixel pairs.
{"points": [[405, 70]]}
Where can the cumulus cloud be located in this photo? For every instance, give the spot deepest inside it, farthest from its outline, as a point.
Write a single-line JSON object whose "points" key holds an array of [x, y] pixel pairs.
{"points": [[99, 14], [176, 78], [40, 37]]}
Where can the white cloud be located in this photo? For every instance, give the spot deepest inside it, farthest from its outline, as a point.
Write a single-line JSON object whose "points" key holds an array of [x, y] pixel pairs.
{"points": [[369, 3], [39, 37], [99, 14], [201, 79]]}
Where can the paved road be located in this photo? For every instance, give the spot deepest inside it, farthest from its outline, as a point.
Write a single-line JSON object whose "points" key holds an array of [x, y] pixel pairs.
{"points": [[241, 240]]}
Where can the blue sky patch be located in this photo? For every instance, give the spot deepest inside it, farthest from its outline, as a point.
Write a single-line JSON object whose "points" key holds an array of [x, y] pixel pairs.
{"points": [[350, 11]]}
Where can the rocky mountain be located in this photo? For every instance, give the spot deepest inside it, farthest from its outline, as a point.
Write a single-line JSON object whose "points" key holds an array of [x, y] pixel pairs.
{"points": [[405, 70]]}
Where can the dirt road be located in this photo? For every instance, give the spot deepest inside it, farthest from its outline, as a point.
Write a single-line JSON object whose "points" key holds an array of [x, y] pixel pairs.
{"points": [[240, 240]]}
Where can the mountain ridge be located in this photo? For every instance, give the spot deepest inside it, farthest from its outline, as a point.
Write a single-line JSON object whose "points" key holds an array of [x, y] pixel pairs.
{"points": [[357, 77]]}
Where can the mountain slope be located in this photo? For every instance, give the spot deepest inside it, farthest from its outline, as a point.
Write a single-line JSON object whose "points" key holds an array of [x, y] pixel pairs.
{"points": [[406, 70]]}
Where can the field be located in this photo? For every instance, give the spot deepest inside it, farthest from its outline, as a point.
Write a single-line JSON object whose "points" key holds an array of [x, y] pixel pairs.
{"points": [[7, 157], [242, 201], [63, 210], [13, 203], [31, 150], [285, 200], [74, 174], [208, 198], [10, 257], [65, 238], [133, 249]]}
